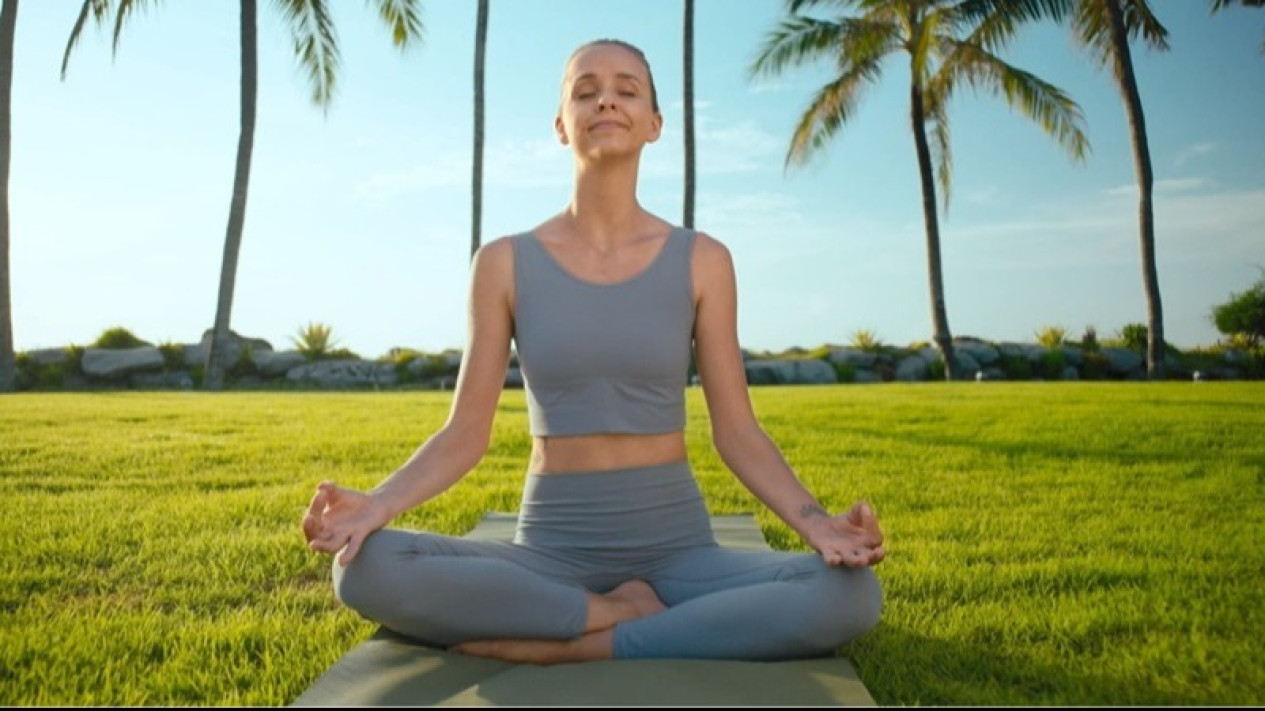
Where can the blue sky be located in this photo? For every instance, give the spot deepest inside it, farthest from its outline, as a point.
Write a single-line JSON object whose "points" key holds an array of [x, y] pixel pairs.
{"points": [[359, 217]]}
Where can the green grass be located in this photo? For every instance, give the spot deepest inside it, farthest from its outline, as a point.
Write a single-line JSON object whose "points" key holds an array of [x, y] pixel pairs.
{"points": [[1049, 544]]}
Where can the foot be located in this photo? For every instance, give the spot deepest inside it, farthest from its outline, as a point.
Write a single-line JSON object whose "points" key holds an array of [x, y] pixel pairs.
{"points": [[637, 598], [592, 646]]}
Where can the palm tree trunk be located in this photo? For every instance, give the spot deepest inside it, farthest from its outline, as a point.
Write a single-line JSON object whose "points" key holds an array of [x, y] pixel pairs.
{"points": [[480, 50], [688, 68], [214, 378], [8, 27], [1142, 164], [939, 314]]}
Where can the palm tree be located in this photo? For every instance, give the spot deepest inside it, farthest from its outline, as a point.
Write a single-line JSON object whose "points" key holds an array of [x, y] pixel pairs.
{"points": [[1104, 28], [687, 63], [939, 41], [8, 27], [480, 51], [1219, 5], [316, 45]]}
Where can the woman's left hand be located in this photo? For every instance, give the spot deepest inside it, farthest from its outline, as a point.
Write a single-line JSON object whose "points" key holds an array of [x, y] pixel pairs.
{"points": [[853, 539]]}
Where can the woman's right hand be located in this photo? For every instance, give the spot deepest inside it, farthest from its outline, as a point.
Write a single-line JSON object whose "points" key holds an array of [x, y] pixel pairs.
{"points": [[341, 518]]}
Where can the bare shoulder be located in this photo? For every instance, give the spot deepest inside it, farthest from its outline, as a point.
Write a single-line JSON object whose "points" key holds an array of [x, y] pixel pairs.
{"points": [[712, 263]]}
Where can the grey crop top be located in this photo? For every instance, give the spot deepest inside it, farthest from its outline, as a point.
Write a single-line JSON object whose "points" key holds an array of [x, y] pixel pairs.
{"points": [[604, 358]]}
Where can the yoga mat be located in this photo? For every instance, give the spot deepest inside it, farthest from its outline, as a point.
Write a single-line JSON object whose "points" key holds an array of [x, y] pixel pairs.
{"points": [[390, 670]]}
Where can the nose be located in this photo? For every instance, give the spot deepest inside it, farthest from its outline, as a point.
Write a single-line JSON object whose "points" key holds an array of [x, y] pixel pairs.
{"points": [[604, 102]]}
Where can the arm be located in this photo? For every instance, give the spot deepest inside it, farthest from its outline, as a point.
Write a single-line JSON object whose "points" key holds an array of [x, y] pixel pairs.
{"points": [[851, 539], [339, 517]]}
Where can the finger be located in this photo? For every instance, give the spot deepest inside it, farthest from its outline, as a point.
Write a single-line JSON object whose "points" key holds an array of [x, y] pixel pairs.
{"points": [[349, 553], [312, 520]]}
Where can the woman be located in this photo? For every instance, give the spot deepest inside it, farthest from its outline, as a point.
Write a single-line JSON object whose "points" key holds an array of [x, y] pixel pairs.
{"points": [[614, 556]]}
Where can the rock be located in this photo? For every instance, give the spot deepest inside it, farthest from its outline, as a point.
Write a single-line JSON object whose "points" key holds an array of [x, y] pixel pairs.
{"points": [[982, 353], [1122, 361], [912, 369], [177, 380], [195, 353], [272, 364], [811, 371], [513, 377], [770, 372], [851, 357], [339, 374], [49, 356], [106, 364]]}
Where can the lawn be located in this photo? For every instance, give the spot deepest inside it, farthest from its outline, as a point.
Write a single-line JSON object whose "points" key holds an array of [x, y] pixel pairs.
{"points": [[1049, 543]]}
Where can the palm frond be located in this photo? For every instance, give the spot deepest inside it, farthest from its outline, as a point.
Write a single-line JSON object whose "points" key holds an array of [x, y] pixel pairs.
{"points": [[126, 9], [1049, 106], [403, 18], [991, 24], [797, 6], [830, 109], [795, 41], [315, 44], [100, 12], [1093, 29]]}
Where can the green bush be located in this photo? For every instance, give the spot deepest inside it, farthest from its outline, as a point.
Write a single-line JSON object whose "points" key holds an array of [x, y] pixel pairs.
{"points": [[315, 341], [244, 366], [1016, 367], [1089, 341], [1052, 364], [935, 370], [1243, 315], [844, 372], [118, 338], [1095, 366], [173, 356], [1134, 336], [864, 339], [1052, 336]]}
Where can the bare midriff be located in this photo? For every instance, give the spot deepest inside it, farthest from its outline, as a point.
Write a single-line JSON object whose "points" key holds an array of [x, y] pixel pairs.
{"points": [[600, 452]]}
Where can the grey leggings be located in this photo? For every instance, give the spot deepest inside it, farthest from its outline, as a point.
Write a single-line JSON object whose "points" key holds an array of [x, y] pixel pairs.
{"points": [[592, 532]]}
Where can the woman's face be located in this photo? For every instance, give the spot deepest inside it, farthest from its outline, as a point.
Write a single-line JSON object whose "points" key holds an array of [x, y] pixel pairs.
{"points": [[607, 103]]}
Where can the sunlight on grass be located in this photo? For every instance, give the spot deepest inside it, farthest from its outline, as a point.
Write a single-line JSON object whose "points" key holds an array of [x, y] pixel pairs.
{"points": [[1049, 544]]}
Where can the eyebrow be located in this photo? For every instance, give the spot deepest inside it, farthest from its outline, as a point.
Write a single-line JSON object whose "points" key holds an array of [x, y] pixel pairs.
{"points": [[620, 75]]}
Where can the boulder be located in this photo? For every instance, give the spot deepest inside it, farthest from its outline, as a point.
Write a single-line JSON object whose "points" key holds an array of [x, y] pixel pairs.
{"points": [[272, 364], [1122, 361], [912, 369], [106, 364], [811, 371], [339, 374], [851, 357], [49, 356], [983, 354]]}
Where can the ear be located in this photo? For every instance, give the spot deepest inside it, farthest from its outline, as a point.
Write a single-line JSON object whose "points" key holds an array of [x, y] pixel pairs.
{"points": [[560, 130], [656, 128]]}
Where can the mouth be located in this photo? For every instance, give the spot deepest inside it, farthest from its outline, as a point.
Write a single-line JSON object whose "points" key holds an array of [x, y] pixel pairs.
{"points": [[606, 124]]}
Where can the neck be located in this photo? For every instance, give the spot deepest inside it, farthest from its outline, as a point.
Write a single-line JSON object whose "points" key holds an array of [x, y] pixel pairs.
{"points": [[604, 207]]}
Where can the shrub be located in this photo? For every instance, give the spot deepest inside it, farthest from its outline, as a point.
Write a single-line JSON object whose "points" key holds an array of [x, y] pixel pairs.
{"points": [[1052, 336], [173, 356], [118, 338], [315, 341], [1095, 365], [1015, 367], [864, 339], [1052, 364], [1133, 336], [935, 370], [844, 372], [1089, 341], [1243, 315], [245, 363]]}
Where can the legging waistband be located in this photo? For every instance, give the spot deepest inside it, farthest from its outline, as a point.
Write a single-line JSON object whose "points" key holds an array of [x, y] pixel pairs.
{"points": [[655, 507]]}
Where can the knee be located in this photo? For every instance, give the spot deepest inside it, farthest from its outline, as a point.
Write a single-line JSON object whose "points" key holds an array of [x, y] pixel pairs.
{"points": [[361, 584], [850, 602]]}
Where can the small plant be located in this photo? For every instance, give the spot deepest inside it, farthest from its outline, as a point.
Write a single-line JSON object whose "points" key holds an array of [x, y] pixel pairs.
{"points": [[935, 370], [173, 356], [1095, 366], [1133, 336], [315, 341], [1052, 336], [863, 339], [118, 338], [844, 373], [1243, 316], [74, 358], [1089, 341], [1052, 364], [245, 364], [1015, 367]]}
